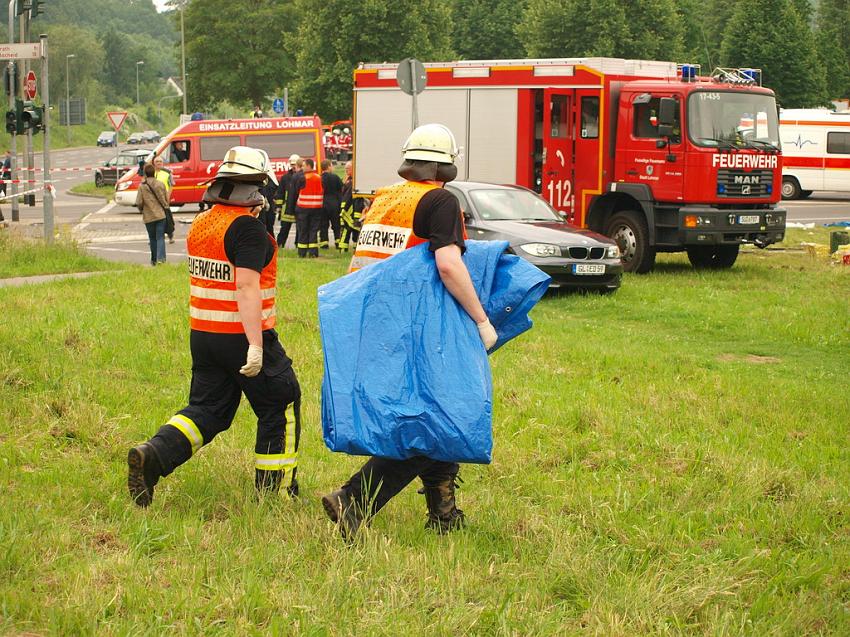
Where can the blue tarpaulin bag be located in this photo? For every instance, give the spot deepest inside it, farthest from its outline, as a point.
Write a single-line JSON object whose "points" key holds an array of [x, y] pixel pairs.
{"points": [[406, 373]]}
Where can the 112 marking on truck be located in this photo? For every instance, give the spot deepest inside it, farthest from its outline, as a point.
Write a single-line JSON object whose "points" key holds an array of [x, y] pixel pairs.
{"points": [[650, 153]]}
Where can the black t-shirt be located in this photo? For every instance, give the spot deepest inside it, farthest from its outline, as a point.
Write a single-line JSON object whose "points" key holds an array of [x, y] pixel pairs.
{"points": [[331, 190], [438, 219], [248, 244]]}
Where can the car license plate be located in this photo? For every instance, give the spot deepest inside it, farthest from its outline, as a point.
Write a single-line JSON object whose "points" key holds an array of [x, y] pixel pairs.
{"points": [[748, 219], [589, 268]]}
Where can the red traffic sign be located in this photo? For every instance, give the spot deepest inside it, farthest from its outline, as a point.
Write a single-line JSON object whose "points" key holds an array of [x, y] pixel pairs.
{"points": [[30, 86], [116, 118]]}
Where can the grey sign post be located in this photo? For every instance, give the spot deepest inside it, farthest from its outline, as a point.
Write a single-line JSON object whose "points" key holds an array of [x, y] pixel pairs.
{"points": [[412, 79]]}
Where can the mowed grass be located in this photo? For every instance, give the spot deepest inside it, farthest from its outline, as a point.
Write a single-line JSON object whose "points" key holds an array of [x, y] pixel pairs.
{"points": [[21, 256], [670, 459]]}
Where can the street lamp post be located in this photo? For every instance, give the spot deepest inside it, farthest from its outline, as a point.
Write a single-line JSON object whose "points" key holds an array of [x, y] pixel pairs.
{"points": [[139, 63], [68, 95], [183, 61]]}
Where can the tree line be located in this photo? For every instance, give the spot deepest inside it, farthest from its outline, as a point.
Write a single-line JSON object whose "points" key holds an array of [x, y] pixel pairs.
{"points": [[245, 52]]}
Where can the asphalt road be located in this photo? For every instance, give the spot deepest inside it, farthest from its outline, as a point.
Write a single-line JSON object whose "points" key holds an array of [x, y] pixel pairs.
{"points": [[116, 233]]}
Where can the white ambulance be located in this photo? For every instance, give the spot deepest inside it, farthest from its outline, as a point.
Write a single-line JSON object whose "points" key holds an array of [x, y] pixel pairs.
{"points": [[816, 151]]}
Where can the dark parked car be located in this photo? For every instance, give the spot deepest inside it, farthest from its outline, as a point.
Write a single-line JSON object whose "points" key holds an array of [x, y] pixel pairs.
{"points": [[108, 174], [136, 138], [107, 138], [151, 136], [573, 257]]}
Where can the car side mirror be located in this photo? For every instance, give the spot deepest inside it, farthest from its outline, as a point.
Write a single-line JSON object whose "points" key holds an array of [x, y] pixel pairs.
{"points": [[467, 217]]}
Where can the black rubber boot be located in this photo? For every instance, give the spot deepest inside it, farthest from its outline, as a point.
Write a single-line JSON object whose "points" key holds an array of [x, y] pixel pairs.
{"points": [[343, 512], [144, 471], [443, 514], [268, 482]]}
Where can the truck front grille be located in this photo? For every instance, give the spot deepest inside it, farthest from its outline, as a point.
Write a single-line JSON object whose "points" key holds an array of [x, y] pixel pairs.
{"points": [[740, 183]]}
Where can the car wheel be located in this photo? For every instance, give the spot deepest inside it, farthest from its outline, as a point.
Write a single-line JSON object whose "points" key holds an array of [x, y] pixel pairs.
{"points": [[98, 180], [790, 188], [713, 257], [628, 229]]}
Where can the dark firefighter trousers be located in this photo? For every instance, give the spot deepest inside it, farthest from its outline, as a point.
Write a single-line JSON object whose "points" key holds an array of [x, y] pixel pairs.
{"points": [[381, 479], [216, 389], [307, 231], [330, 217]]}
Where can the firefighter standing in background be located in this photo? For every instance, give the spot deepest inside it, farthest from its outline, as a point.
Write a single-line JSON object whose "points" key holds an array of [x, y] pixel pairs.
{"points": [[351, 210], [284, 199], [331, 199], [235, 349], [269, 211], [418, 209], [307, 190]]}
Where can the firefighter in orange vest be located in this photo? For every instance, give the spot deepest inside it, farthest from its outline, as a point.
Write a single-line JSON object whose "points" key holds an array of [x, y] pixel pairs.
{"points": [[415, 211], [235, 349], [307, 189]]}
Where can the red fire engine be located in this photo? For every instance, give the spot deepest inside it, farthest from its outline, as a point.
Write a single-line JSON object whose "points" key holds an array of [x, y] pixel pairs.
{"points": [[649, 153]]}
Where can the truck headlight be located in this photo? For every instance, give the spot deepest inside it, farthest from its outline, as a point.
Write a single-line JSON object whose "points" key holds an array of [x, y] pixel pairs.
{"points": [[612, 252], [541, 249]]}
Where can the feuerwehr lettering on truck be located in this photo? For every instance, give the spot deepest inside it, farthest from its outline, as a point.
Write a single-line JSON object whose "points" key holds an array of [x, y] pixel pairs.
{"points": [[739, 160]]}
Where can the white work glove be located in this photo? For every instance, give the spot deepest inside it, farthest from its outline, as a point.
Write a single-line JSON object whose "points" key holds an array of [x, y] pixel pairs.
{"points": [[487, 333], [253, 362]]}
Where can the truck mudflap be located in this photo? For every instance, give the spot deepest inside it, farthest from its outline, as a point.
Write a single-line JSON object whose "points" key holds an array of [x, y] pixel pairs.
{"points": [[704, 225]]}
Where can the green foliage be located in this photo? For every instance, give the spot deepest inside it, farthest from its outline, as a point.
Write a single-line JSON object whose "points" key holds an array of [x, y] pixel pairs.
{"points": [[570, 28], [655, 31], [486, 30], [236, 51], [833, 35], [644, 29], [784, 50], [336, 35]]}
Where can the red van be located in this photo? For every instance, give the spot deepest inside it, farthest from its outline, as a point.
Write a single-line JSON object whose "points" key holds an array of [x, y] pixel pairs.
{"points": [[193, 151]]}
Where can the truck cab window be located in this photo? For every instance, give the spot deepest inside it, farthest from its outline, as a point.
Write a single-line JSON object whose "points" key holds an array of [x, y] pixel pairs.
{"points": [[646, 121], [590, 117]]}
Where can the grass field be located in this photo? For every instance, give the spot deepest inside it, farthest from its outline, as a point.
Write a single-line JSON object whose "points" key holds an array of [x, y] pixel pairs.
{"points": [[671, 459]]}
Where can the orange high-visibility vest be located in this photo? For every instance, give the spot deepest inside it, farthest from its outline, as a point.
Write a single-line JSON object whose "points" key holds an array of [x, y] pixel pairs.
{"points": [[311, 194], [212, 292], [388, 225]]}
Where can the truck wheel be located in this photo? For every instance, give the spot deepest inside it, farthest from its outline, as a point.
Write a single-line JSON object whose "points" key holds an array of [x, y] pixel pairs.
{"points": [[98, 180], [790, 188], [712, 257], [628, 229]]}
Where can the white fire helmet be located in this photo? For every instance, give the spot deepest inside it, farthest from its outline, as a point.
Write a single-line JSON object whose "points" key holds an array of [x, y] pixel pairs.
{"points": [[431, 142], [243, 163]]}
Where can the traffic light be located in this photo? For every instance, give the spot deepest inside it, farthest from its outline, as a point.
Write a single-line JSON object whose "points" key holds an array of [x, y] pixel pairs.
{"points": [[32, 117], [37, 7], [11, 122]]}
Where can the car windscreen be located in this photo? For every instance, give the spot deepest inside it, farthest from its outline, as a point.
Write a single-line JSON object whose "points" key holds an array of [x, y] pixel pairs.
{"points": [[509, 204]]}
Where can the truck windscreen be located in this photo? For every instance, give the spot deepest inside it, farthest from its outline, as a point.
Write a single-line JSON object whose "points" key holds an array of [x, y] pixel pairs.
{"points": [[724, 118]]}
